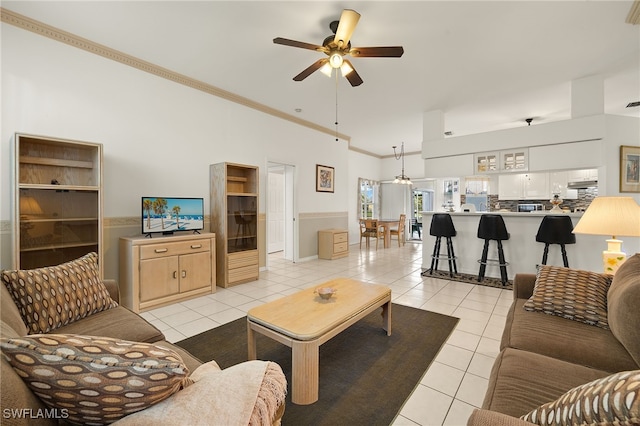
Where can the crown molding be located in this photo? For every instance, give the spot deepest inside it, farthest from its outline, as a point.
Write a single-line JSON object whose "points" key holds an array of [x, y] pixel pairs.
{"points": [[634, 13], [40, 28]]}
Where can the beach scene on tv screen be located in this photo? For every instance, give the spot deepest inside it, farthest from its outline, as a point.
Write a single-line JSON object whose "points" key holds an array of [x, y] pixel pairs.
{"points": [[172, 214]]}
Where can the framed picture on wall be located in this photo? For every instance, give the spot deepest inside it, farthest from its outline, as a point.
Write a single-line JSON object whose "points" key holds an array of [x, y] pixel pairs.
{"points": [[629, 168], [325, 178]]}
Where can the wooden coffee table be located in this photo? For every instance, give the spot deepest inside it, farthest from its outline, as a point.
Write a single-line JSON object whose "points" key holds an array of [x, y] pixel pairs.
{"points": [[303, 321]]}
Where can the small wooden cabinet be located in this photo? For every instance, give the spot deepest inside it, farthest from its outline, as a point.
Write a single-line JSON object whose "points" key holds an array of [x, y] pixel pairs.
{"points": [[159, 271], [234, 219], [57, 201], [333, 243]]}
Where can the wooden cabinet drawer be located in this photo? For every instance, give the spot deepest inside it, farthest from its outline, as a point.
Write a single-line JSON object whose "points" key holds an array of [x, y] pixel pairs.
{"points": [[242, 259], [244, 273], [342, 237], [341, 247], [153, 251]]}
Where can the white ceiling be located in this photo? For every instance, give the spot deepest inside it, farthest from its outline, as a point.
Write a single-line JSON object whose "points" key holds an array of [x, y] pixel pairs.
{"points": [[486, 65]]}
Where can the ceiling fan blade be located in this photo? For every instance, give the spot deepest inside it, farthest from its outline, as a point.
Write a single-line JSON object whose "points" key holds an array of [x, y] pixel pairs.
{"points": [[311, 69], [348, 21], [301, 44], [353, 76], [377, 52]]}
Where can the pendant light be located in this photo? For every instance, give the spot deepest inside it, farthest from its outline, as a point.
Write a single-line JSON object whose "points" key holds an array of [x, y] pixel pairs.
{"points": [[402, 178]]}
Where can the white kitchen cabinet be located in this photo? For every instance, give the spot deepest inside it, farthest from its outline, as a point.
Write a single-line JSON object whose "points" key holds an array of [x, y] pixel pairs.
{"points": [[582, 175], [510, 187], [558, 184], [523, 186], [536, 186], [486, 162], [514, 161]]}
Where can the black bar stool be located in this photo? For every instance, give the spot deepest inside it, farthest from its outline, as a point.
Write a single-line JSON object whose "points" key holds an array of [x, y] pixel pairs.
{"points": [[442, 226], [492, 227], [556, 230]]}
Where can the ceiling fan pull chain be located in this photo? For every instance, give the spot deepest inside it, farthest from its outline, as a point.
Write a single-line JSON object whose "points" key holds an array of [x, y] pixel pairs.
{"points": [[336, 105]]}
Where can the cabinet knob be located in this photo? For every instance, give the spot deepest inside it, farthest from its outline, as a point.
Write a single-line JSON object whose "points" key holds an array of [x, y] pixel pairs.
{"points": [[196, 246], [175, 274], [184, 273], [164, 250]]}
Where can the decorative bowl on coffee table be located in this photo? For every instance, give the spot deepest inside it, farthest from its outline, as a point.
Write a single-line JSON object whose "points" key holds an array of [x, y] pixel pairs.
{"points": [[326, 292]]}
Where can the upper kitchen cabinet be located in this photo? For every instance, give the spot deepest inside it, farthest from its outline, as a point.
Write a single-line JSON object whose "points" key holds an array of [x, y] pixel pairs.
{"points": [[526, 186], [57, 200], [514, 161], [583, 175], [486, 162], [502, 161]]}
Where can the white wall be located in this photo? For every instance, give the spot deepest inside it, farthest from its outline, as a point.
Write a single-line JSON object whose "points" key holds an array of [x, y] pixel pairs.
{"points": [[413, 167], [159, 137]]}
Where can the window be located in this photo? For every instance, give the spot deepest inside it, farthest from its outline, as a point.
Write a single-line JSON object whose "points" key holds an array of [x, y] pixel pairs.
{"points": [[368, 198]]}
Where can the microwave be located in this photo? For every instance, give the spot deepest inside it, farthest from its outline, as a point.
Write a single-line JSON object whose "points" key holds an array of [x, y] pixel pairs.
{"points": [[528, 208]]}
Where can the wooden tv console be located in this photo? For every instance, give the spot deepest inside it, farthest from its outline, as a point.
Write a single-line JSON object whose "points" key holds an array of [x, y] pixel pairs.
{"points": [[162, 270]]}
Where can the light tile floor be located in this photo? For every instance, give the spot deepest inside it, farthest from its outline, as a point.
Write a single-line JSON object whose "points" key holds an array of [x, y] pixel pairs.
{"points": [[456, 381]]}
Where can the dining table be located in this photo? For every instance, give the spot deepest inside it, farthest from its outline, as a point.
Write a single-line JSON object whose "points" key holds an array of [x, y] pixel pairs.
{"points": [[388, 224]]}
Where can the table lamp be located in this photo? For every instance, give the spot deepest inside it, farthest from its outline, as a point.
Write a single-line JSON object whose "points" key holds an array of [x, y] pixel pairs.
{"points": [[612, 216]]}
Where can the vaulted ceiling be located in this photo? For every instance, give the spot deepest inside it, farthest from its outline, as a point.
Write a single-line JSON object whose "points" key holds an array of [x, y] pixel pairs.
{"points": [[485, 65]]}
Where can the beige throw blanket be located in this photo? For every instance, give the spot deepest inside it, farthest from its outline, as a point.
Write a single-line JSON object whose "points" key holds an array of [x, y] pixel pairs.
{"points": [[217, 397]]}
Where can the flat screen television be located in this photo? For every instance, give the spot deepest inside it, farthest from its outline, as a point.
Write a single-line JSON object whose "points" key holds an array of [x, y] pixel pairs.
{"points": [[167, 215]]}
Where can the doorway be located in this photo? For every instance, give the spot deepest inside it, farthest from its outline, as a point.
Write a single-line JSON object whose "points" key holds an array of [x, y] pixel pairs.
{"points": [[280, 203], [421, 201]]}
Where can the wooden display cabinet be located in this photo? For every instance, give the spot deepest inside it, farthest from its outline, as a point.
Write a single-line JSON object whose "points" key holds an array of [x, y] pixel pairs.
{"points": [[57, 201], [234, 219]]}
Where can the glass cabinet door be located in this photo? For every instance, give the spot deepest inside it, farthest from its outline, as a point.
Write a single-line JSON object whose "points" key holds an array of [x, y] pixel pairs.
{"points": [[242, 223], [56, 226], [486, 162], [514, 161]]}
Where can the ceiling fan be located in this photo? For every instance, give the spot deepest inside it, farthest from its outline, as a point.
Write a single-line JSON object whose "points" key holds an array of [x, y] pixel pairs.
{"points": [[337, 46]]}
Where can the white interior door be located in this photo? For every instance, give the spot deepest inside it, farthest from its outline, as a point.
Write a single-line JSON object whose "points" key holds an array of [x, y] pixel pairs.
{"points": [[276, 209]]}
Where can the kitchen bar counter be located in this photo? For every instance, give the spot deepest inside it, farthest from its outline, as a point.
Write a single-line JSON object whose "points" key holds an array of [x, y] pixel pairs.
{"points": [[522, 251]]}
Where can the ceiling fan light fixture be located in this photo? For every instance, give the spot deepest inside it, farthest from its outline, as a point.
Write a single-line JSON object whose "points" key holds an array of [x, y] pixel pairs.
{"points": [[335, 59], [345, 68], [326, 69]]}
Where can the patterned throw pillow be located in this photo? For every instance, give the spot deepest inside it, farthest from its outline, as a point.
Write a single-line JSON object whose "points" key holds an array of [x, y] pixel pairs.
{"points": [[95, 380], [51, 297], [611, 400], [571, 293]]}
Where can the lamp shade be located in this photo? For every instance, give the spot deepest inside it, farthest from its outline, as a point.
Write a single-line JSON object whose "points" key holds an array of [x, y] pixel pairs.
{"points": [[611, 216], [29, 205]]}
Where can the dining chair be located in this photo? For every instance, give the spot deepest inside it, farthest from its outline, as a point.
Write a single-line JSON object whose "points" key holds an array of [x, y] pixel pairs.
{"points": [[416, 227], [370, 228], [399, 231]]}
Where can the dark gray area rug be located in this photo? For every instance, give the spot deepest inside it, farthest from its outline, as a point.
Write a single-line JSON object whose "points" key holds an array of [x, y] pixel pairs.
{"points": [[365, 375], [469, 278]]}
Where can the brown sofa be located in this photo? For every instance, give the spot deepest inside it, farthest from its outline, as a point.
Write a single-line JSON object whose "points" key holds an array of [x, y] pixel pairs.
{"points": [[211, 406], [544, 356]]}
